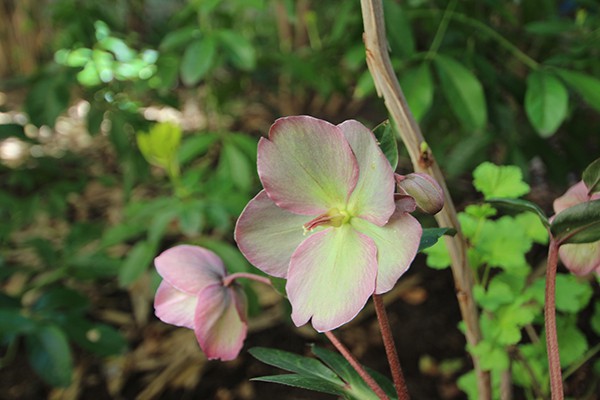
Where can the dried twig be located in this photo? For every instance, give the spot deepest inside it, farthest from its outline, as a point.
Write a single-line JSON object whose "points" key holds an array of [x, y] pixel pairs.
{"points": [[422, 159]]}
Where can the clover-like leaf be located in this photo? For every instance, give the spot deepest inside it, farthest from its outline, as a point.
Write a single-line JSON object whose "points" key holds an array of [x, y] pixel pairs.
{"points": [[499, 181]]}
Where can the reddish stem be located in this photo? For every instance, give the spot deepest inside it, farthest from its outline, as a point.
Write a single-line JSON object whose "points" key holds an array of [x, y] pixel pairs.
{"points": [[556, 386], [390, 348], [357, 367], [229, 279]]}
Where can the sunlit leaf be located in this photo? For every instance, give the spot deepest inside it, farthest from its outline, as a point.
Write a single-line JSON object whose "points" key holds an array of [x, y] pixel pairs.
{"points": [[499, 181]]}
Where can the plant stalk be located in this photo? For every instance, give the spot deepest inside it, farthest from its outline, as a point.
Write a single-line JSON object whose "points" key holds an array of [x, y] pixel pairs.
{"points": [[387, 86], [556, 387], [229, 279], [357, 367], [390, 348]]}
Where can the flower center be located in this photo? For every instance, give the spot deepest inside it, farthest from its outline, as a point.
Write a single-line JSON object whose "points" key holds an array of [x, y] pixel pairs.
{"points": [[334, 217]]}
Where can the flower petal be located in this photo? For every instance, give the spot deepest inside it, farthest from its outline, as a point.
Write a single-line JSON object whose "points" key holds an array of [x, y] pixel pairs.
{"points": [[331, 276], [306, 166], [580, 259], [397, 244], [220, 322], [373, 196], [268, 235], [576, 194], [174, 307], [189, 268]]}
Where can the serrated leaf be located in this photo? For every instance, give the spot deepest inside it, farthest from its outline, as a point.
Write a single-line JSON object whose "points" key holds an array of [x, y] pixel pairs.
{"points": [[520, 205], [438, 256], [197, 60], [50, 356], [546, 101], [386, 138], [533, 227], [578, 224], [587, 86], [491, 357], [572, 294], [591, 177], [417, 85], [463, 92], [499, 181], [432, 235], [304, 382], [308, 367]]}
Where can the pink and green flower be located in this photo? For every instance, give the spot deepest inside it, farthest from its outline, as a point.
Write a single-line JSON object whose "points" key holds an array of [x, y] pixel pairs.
{"points": [[326, 219], [195, 294]]}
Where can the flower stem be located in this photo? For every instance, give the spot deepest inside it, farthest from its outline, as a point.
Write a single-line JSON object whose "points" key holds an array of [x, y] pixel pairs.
{"points": [[390, 348], [556, 387], [229, 279], [357, 367]]}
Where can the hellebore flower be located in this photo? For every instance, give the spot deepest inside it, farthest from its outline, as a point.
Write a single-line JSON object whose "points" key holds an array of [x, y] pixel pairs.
{"points": [[579, 258], [326, 219], [193, 294], [427, 193]]}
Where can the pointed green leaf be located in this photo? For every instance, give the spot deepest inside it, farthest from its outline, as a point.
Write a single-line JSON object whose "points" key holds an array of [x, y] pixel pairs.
{"points": [[136, 263], [520, 205], [591, 177], [238, 49], [432, 235], [587, 86], [546, 101], [386, 137], [304, 366], [578, 224], [400, 36], [304, 382], [197, 59], [50, 356], [463, 92], [417, 85]]}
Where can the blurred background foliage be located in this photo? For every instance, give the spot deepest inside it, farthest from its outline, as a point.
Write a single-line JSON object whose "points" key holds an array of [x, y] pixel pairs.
{"points": [[127, 126]]}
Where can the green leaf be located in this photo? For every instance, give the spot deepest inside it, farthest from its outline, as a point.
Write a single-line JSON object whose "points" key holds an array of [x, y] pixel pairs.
{"points": [[50, 356], [571, 341], [197, 60], [98, 338], [304, 382], [13, 321], [232, 258], [62, 299], [546, 101], [159, 146], [196, 146], [175, 40], [417, 85], [591, 177], [438, 256], [307, 367], [491, 357], [595, 319], [520, 205], [499, 181], [432, 235], [572, 294], [503, 243], [399, 34], [47, 99], [238, 49], [497, 294], [587, 86], [386, 138], [136, 263], [235, 166], [578, 224], [533, 227], [463, 92]]}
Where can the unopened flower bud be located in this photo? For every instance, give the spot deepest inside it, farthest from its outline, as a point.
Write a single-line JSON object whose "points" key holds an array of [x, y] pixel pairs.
{"points": [[424, 189]]}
